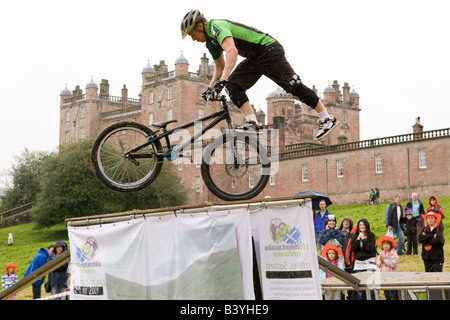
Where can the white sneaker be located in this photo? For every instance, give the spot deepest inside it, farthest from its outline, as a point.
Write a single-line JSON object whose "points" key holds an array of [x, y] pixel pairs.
{"points": [[326, 126], [250, 125]]}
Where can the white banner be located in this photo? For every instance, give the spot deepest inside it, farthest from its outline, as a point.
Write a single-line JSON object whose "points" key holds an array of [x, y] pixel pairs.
{"points": [[286, 252], [189, 256]]}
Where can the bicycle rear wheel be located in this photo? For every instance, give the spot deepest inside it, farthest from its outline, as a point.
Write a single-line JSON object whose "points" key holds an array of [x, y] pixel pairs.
{"points": [[116, 167], [235, 166]]}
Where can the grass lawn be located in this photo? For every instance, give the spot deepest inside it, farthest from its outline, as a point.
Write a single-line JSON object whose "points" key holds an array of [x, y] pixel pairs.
{"points": [[27, 240]]}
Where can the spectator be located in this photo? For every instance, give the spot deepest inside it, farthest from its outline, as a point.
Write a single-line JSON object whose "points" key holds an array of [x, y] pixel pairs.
{"points": [[331, 253], [432, 239], [320, 218], [346, 229], [393, 214], [10, 278], [417, 209], [58, 278], [330, 234], [10, 239], [388, 261], [377, 196], [39, 260], [364, 250], [411, 234], [433, 201]]}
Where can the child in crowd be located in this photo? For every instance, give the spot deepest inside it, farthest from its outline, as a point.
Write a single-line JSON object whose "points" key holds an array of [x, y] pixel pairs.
{"points": [[331, 253], [388, 261], [10, 277], [411, 233], [432, 239]]}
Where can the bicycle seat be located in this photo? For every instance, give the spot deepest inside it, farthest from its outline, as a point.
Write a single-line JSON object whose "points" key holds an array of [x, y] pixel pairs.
{"points": [[163, 124]]}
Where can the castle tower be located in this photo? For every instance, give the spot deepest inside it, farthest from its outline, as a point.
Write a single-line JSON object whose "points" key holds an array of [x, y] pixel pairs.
{"points": [[329, 95], [354, 97], [346, 92], [91, 90], [147, 72], [181, 66]]}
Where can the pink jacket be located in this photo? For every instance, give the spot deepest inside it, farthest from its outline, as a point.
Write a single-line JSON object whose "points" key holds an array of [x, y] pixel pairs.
{"points": [[390, 262]]}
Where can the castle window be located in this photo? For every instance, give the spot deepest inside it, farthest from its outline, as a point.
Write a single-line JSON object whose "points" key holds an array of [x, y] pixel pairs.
{"points": [[304, 172], [169, 114], [340, 168], [82, 136], [344, 117], [422, 159], [83, 112], [67, 116], [378, 163], [67, 137], [201, 113], [151, 97], [150, 118], [197, 183], [251, 179], [272, 180], [198, 159], [200, 92], [169, 93]]}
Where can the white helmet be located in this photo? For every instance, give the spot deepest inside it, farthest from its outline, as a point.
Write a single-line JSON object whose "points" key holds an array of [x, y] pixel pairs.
{"points": [[189, 22]]}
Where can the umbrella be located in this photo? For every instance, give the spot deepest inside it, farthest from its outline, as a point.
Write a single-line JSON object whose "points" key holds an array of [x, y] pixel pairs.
{"points": [[316, 197]]}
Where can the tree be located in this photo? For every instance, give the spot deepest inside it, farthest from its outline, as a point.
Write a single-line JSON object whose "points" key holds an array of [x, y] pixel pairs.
{"points": [[24, 179], [69, 188]]}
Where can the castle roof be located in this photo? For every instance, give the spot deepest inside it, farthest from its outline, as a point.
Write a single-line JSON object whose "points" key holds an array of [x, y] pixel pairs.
{"points": [[148, 68], [66, 92], [91, 84], [329, 89], [181, 59], [354, 94], [279, 93]]}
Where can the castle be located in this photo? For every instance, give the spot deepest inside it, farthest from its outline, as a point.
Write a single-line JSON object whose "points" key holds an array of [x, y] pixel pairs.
{"points": [[305, 163]]}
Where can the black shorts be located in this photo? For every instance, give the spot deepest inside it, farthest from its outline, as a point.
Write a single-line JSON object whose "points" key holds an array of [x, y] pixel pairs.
{"points": [[272, 63]]}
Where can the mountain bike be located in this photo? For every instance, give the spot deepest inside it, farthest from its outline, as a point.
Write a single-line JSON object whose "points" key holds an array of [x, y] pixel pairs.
{"points": [[128, 156]]}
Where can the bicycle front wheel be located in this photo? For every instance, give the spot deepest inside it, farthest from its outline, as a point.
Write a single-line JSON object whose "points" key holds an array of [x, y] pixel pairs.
{"points": [[235, 166], [119, 169]]}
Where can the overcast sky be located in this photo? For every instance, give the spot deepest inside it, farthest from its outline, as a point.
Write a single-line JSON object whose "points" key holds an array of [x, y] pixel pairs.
{"points": [[394, 53]]}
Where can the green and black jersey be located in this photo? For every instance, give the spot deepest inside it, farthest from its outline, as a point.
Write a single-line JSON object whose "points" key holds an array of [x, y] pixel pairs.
{"points": [[248, 41]]}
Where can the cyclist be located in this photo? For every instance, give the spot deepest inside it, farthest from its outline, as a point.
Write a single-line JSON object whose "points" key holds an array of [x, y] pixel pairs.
{"points": [[264, 56]]}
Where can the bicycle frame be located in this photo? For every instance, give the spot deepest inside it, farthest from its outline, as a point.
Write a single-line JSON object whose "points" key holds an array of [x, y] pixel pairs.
{"points": [[223, 114]]}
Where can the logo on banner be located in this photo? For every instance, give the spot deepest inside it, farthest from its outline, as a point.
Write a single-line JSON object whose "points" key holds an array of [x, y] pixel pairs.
{"points": [[281, 232], [87, 251]]}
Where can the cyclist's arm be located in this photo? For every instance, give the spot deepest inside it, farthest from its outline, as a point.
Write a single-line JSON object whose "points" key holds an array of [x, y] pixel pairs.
{"points": [[231, 56], [220, 65]]}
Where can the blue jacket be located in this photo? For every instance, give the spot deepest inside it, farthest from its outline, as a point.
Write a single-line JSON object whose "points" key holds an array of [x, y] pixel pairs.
{"points": [[319, 222], [39, 260], [391, 216]]}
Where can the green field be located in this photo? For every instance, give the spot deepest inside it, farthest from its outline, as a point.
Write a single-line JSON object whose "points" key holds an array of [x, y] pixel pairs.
{"points": [[27, 240]]}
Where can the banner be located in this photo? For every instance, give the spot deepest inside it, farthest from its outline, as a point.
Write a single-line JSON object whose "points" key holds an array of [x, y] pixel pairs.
{"points": [[286, 252], [188, 256]]}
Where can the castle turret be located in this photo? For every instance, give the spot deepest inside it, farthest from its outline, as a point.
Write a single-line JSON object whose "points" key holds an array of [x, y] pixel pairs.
{"points": [[65, 94], [354, 97], [124, 95], [329, 95], [147, 72], [181, 66], [91, 90], [336, 89]]}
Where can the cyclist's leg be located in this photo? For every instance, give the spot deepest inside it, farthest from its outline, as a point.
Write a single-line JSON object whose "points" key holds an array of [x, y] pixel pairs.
{"points": [[241, 79], [275, 66]]}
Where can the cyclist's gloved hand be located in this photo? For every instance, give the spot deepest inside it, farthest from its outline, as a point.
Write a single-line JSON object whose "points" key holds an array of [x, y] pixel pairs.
{"points": [[219, 85], [209, 93]]}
